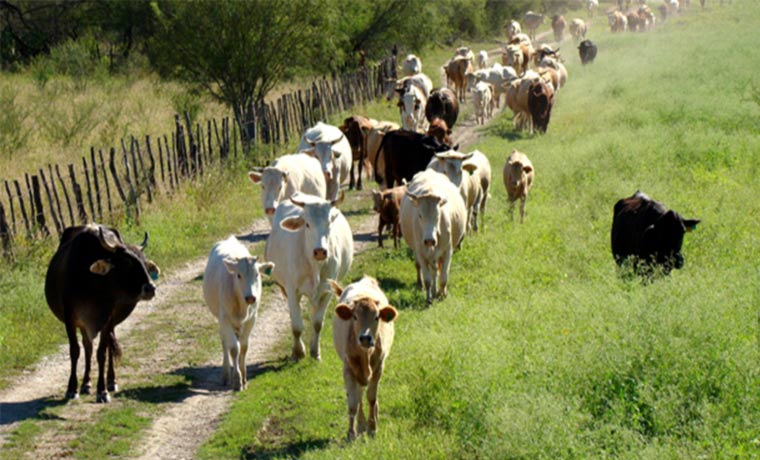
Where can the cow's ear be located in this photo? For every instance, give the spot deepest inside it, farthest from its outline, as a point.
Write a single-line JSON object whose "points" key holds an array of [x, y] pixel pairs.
{"points": [[153, 270], [344, 312], [101, 267], [442, 202], [388, 314], [338, 201], [266, 268], [528, 169], [285, 175], [691, 224], [456, 147], [231, 264], [335, 287], [413, 198], [254, 176], [470, 167], [292, 223]]}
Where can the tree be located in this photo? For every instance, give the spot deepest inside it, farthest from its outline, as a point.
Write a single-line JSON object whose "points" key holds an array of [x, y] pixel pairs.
{"points": [[237, 51]]}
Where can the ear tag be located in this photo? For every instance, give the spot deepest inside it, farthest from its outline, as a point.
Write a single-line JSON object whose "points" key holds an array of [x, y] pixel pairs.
{"points": [[153, 275], [268, 271]]}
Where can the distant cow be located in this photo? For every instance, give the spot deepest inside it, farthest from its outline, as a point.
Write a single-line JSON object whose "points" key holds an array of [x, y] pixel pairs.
{"points": [[287, 175], [329, 145], [462, 174], [411, 106], [483, 176], [411, 65], [310, 243], [497, 75], [93, 283], [518, 178], [405, 154], [433, 222], [482, 101], [482, 59], [511, 28], [591, 6], [618, 21], [386, 204], [375, 138], [442, 103], [532, 21], [363, 336], [645, 231], [587, 50], [558, 26], [356, 128], [232, 291], [578, 29], [540, 103], [455, 70]]}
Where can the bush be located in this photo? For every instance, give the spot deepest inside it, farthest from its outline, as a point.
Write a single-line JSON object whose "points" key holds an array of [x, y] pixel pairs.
{"points": [[13, 134]]}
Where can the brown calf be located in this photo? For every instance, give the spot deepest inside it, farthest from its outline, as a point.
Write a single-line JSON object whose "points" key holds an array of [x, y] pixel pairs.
{"points": [[387, 204]]}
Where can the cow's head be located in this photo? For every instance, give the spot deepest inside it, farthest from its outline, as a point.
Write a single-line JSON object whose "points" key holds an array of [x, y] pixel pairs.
{"points": [[273, 184], [518, 172], [246, 277], [514, 55], [326, 154], [540, 103], [428, 209], [315, 219], [452, 165], [411, 108], [661, 242], [123, 268], [365, 314]]}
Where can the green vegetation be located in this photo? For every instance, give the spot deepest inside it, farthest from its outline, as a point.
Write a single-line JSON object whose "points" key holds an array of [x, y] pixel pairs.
{"points": [[542, 350]]}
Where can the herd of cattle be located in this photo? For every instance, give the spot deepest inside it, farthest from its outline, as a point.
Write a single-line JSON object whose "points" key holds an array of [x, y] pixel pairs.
{"points": [[433, 196]]}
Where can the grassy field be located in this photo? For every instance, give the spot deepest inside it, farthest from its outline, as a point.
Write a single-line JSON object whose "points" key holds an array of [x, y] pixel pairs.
{"points": [[542, 350]]}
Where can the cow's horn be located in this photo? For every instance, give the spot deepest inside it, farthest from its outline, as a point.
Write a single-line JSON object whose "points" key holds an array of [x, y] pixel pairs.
{"points": [[144, 244], [337, 140], [107, 245]]}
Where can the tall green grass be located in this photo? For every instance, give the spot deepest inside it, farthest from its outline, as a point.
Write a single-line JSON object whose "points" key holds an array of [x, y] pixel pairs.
{"points": [[542, 349]]}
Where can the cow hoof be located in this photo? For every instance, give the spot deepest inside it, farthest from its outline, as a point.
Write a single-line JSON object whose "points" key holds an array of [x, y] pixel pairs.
{"points": [[72, 395], [112, 387], [316, 356], [103, 397], [86, 389]]}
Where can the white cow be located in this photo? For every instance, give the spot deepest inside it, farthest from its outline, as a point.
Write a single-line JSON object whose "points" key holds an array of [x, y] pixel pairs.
{"points": [[232, 290], [363, 335], [412, 109], [482, 59], [483, 174], [411, 65], [482, 100], [512, 28], [433, 222], [591, 6], [420, 80], [327, 144], [287, 175], [452, 165], [498, 76], [310, 243]]}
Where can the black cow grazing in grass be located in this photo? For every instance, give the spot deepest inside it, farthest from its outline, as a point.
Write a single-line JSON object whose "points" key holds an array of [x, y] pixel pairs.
{"points": [[443, 104], [587, 50], [93, 283], [648, 233], [406, 153]]}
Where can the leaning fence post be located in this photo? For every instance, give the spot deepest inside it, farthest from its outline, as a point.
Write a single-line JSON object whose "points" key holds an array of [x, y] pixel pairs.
{"points": [[10, 202], [23, 208], [55, 194], [5, 234], [65, 194], [89, 188], [58, 226], [77, 195]]}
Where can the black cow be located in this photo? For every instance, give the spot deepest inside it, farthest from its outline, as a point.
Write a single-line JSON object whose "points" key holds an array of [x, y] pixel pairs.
{"points": [[646, 231], [443, 104], [406, 153], [93, 283], [587, 49], [540, 103]]}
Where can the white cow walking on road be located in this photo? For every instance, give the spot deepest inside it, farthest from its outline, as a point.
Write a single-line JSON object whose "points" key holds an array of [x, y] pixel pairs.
{"points": [[287, 175], [232, 291], [310, 243], [330, 147]]}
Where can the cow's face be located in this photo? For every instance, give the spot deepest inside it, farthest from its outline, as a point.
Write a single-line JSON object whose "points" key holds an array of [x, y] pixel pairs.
{"points": [[452, 165], [518, 174], [323, 151], [662, 241], [273, 183], [316, 219], [246, 277], [410, 111], [365, 315], [428, 209], [377, 200], [124, 269]]}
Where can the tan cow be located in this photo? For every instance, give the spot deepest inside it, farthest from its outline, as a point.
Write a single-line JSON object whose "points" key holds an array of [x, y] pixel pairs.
{"points": [[482, 100], [482, 175], [517, 100], [456, 70], [387, 204], [375, 139], [518, 177], [578, 29], [363, 335]]}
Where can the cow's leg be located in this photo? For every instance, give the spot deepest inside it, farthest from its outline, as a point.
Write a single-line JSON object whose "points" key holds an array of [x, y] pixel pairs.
{"points": [[225, 354], [380, 227], [396, 235], [113, 354], [86, 382], [428, 280], [483, 199], [359, 175], [443, 275], [317, 318], [373, 408], [102, 392], [245, 335], [296, 324], [419, 277], [71, 332], [522, 208], [351, 180], [352, 397], [512, 210], [361, 423]]}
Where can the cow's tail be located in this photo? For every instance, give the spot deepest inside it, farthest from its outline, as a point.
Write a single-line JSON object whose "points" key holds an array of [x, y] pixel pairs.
{"points": [[378, 177], [114, 348]]}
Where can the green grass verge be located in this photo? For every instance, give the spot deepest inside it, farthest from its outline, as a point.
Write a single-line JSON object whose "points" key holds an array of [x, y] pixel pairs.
{"points": [[542, 350]]}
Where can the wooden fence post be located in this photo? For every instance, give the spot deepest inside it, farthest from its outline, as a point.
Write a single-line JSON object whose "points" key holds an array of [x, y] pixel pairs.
{"points": [[105, 180], [58, 226], [10, 202], [65, 194], [23, 208], [94, 166], [77, 195], [144, 179], [5, 234], [55, 194], [89, 187], [132, 194]]}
